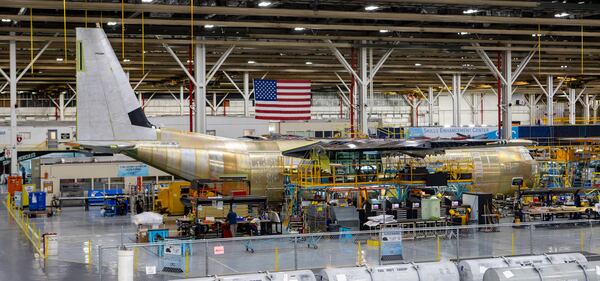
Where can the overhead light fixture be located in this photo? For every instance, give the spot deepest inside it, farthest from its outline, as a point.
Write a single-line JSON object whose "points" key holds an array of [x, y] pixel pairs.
{"points": [[418, 64], [6, 20], [371, 8], [209, 26], [384, 31], [299, 28], [264, 4], [111, 23], [470, 11], [581, 2], [147, 1], [126, 60], [308, 62], [463, 33], [251, 62], [59, 59], [561, 15]]}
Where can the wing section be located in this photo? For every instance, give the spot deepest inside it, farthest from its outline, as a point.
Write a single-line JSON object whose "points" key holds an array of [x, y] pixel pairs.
{"points": [[417, 148]]}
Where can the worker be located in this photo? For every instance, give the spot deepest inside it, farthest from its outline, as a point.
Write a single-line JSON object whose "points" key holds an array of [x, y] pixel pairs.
{"points": [[232, 221]]}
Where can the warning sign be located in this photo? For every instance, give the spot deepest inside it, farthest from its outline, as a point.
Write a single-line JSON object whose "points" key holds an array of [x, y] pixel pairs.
{"points": [[219, 250]]}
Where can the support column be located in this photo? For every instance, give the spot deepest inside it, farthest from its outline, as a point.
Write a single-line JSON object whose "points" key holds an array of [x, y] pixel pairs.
{"points": [[363, 125], [430, 102], [200, 92], [572, 100], [181, 100], [507, 92], [371, 95], [246, 94], [214, 102], [532, 108], [456, 98], [474, 108], [586, 108], [13, 106], [550, 100], [595, 105], [61, 106]]}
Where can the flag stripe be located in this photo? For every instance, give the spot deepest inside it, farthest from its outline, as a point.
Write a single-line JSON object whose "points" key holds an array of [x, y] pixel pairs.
{"points": [[283, 111], [294, 108], [293, 91], [283, 118], [294, 103]]}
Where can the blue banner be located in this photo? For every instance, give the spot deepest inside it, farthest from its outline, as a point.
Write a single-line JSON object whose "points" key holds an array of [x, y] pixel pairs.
{"points": [[140, 170], [457, 132]]}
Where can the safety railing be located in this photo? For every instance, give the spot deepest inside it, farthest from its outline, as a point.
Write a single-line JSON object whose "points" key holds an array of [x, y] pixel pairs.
{"points": [[337, 175], [196, 258], [30, 230]]}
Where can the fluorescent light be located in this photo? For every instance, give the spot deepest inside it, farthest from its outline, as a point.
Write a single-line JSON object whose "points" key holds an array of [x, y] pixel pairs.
{"points": [[470, 11], [251, 62], [209, 26], [111, 23], [299, 28], [147, 1], [371, 8], [561, 15], [384, 31], [59, 59], [126, 60], [308, 62], [6, 20], [417, 64], [463, 33], [264, 4]]}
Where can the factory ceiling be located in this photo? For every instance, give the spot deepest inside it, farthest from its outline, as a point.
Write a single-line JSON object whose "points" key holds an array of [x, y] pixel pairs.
{"points": [[294, 39]]}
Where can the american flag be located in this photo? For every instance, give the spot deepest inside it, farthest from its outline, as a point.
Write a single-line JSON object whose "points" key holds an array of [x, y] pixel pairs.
{"points": [[282, 99]]}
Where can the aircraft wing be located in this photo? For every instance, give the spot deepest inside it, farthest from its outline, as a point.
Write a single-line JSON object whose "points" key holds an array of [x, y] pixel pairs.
{"points": [[417, 148], [103, 146]]}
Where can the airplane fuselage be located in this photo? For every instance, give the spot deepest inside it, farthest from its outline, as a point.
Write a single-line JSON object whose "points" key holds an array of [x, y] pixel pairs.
{"points": [[193, 156]]}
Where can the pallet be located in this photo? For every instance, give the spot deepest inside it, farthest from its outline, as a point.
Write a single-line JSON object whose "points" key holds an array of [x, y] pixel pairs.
{"points": [[34, 214]]}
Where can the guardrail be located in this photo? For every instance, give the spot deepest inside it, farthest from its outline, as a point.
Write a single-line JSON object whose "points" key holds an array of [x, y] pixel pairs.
{"points": [[224, 256], [30, 230]]}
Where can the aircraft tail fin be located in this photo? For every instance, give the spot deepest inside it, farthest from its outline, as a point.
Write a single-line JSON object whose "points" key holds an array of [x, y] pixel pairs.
{"points": [[107, 109]]}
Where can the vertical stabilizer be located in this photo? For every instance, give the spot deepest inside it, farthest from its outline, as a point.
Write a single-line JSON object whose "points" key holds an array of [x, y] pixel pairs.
{"points": [[107, 108]]}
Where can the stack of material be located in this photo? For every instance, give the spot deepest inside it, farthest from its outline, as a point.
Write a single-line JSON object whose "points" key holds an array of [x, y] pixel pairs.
{"points": [[378, 220], [346, 217], [315, 218]]}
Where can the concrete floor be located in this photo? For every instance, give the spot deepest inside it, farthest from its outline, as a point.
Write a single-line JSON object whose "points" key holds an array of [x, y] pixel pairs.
{"points": [[74, 227]]}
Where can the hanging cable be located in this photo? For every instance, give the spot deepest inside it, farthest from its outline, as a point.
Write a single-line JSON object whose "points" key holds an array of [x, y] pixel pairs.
{"points": [[123, 29], [539, 36], [86, 18], [192, 27], [143, 46], [65, 27], [582, 49], [31, 37], [101, 19]]}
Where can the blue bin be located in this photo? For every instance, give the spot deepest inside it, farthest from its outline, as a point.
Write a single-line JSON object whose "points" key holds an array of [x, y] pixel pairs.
{"points": [[37, 201]]}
